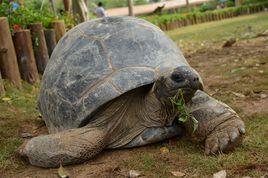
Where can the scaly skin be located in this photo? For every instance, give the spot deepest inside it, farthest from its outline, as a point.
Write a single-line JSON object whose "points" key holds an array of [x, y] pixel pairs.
{"points": [[218, 125], [66, 147], [116, 124]]}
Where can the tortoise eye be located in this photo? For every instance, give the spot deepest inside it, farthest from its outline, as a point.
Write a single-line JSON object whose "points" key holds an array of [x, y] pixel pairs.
{"points": [[177, 77]]}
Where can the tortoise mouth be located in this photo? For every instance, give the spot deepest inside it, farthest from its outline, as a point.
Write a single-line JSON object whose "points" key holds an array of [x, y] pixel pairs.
{"points": [[188, 93]]}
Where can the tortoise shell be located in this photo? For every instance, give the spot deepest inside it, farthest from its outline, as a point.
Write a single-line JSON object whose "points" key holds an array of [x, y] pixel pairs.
{"points": [[98, 61]]}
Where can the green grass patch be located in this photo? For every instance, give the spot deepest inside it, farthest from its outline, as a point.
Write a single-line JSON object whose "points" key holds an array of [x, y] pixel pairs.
{"points": [[18, 112], [249, 159], [243, 27]]}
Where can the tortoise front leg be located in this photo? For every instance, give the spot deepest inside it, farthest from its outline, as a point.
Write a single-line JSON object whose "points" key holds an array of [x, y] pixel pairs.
{"points": [[155, 134], [66, 147], [218, 124]]}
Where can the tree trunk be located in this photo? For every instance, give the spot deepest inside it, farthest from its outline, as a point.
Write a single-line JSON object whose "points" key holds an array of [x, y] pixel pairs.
{"points": [[86, 2], [238, 3], [187, 5], [80, 11], [130, 8], [50, 40], [2, 90], [25, 56], [8, 60], [21, 2], [39, 46], [67, 5], [59, 28]]}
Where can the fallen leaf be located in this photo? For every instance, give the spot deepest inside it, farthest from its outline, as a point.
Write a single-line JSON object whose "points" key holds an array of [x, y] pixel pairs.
{"points": [[6, 99], [229, 43], [62, 172], [262, 96], [264, 176], [235, 70], [265, 33], [177, 173], [164, 150], [220, 174], [26, 135], [133, 173], [239, 94]]}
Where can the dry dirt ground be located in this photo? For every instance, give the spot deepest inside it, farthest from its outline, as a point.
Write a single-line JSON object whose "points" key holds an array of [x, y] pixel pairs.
{"points": [[237, 75]]}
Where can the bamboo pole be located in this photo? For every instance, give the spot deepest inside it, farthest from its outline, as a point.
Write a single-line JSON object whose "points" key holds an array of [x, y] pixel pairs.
{"points": [[50, 40], [8, 60], [39, 46], [59, 28], [25, 56]]}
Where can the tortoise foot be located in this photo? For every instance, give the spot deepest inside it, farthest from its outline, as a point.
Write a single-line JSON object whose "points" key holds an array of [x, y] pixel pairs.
{"points": [[225, 137]]}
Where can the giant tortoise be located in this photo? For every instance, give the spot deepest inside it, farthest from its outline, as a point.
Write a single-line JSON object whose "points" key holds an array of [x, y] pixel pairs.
{"points": [[108, 85]]}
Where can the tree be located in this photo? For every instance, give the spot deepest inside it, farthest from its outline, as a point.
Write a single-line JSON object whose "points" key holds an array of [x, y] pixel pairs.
{"points": [[238, 2], [67, 6], [130, 8], [86, 2], [80, 10], [187, 5], [52, 2]]}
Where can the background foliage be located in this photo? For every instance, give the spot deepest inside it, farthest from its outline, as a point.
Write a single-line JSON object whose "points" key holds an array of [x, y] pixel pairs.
{"points": [[31, 12]]}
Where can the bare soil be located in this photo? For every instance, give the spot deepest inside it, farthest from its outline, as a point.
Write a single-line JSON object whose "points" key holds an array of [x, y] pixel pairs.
{"points": [[234, 75]]}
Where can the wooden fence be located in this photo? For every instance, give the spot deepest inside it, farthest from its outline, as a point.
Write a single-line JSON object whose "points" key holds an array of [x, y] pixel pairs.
{"points": [[197, 18], [24, 54]]}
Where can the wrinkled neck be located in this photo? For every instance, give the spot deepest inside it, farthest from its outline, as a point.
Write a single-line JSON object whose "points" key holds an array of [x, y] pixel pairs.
{"points": [[159, 109]]}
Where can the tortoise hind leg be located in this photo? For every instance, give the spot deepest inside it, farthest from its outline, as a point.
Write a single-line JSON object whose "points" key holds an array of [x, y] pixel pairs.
{"points": [[66, 147], [154, 134], [218, 125]]}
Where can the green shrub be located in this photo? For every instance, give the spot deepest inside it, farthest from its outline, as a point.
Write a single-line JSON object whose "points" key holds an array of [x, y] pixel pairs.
{"points": [[30, 13], [249, 2], [230, 3], [115, 3], [168, 18], [205, 7]]}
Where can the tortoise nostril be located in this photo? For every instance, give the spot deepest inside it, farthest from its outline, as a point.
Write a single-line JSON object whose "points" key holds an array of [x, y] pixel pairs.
{"points": [[196, 79]]}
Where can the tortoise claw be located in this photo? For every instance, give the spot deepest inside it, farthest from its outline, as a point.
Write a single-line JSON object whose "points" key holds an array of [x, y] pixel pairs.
{"points": [[225, 139], [242, 130], [20, 152]]}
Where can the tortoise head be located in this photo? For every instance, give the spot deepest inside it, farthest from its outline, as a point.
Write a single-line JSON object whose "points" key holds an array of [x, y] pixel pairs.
{"points": [[182, 78]]}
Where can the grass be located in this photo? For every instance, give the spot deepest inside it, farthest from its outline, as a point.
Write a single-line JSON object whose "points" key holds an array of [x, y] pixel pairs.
{"points": [[252, 152], [242, 27], [18, 113], [250, 159]]}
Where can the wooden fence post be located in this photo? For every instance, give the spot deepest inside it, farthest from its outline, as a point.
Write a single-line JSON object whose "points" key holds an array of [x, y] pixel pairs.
{"points": [[2, 90], [59, 28], [25, 55], [39, 46], [50, 40], [8, 60]]}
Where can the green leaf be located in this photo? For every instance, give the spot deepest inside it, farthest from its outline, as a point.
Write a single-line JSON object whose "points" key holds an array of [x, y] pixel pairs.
{"points": [[195, 123], [178, 102]]}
